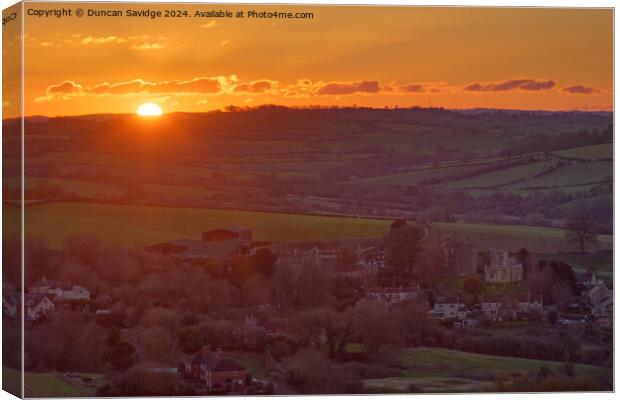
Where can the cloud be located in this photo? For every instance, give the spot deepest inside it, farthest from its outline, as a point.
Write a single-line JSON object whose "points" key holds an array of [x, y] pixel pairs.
{"points": [[580, 89], [210, 24], [343, 88], [65, 88], [103, 40], [224, 42], [513, 84], [424, 87], [6, 104], [147, 46], [195, 85], [260, 86], [202, 102], [413, 88], [204, 85]]}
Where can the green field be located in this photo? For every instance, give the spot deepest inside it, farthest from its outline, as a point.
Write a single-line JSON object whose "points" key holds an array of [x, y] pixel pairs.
{"points": [[43, 384], [502, 176], [127, 225], [513, 237], [443, 370], [571, 174], [415, 177], [592, 152], [137, 224], [81, 187]]}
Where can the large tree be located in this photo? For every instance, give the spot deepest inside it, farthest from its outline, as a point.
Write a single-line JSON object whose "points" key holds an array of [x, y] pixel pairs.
{"points": [[402, 245], [582, 232]]}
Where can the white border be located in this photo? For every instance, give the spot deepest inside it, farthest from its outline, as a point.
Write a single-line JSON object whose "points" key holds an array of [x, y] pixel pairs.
{"points": [[478, 3]]}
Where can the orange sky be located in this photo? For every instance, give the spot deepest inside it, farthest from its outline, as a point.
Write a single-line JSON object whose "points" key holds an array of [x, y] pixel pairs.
{"points": [[556, 59]]}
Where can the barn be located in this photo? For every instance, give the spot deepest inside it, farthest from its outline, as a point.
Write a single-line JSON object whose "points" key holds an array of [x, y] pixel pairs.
{"points": [[242, 233]]}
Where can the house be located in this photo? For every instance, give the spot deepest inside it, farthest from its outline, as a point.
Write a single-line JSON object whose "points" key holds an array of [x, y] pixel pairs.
{"points": [[587, 280], [600, 299], [37, 305], [309, 253], [461, 256], [350, 270], [172, 247], [60, 292], [499, 267], [216, 370], [241, 233], [393, 295], [372, 259], [511, 305], [214, 251], [448, 308]]}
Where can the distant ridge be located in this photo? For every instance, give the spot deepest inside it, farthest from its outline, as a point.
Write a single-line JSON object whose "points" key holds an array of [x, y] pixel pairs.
{"points": [[274, 107]]}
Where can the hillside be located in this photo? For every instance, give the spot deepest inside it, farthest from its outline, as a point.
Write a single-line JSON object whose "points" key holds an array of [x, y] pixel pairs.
{"points": [[412, 163]]}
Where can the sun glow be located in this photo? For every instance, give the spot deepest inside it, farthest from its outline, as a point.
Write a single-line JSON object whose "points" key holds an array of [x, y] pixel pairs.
{"points": [[149, 110]]}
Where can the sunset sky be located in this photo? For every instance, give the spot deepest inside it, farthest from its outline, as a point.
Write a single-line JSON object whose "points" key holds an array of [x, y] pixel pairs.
{"points": [[450, 57]]}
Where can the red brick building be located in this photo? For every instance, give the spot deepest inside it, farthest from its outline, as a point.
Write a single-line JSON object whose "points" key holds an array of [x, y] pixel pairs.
{"points": [[216, 370]]}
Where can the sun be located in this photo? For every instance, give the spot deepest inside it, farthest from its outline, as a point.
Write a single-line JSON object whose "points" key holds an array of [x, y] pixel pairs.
{"points": [[149, 110]]}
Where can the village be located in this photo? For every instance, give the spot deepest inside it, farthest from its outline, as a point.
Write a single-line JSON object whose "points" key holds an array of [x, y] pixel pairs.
{"points": [[462, 286]]}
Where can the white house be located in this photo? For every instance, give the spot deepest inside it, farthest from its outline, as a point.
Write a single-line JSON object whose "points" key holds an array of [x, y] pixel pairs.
{"points": [[60, 291], [393, 295], [498, 306], [448, 307], [600, 299]]}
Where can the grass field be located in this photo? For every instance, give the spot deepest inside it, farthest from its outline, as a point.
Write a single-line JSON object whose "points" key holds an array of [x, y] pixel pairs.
{"points": [[83, 188], [592, 152], [571, 174], [136, 224], [127, 225], [443, 370], [43, 384], [513, 237], [411, 178], [502, 176]]}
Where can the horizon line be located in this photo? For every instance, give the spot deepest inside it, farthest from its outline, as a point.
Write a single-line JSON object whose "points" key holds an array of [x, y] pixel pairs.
{"points": [[234, 108]]}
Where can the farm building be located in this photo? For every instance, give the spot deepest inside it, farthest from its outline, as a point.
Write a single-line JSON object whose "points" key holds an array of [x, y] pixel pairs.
{"points": [[501, 306], [241, 233], [216, 370], [499, 267]]}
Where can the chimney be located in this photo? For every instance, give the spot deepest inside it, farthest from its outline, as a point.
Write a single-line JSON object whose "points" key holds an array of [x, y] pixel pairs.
{"points": [[205, 351]]}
